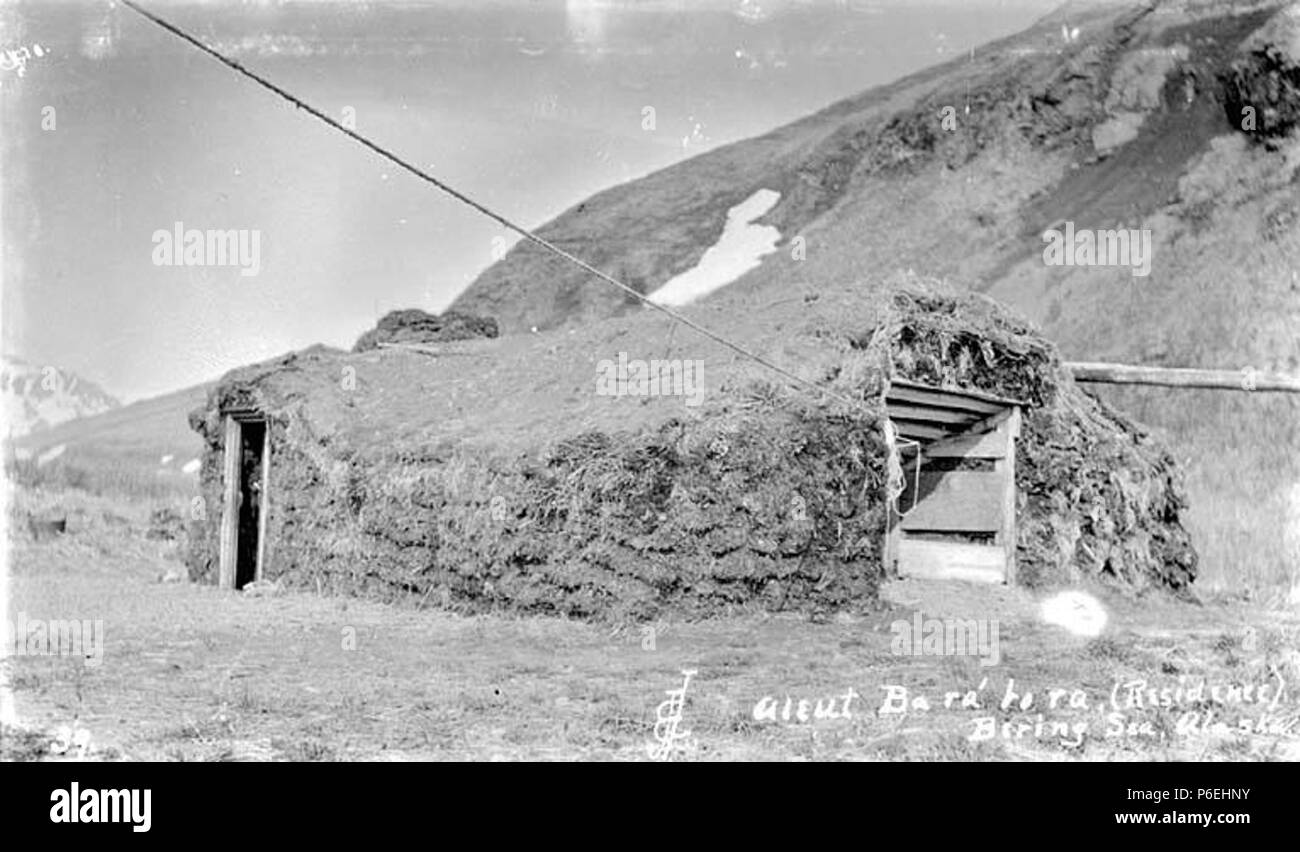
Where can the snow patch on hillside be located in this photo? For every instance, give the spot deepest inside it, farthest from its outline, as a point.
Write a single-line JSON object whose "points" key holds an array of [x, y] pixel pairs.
{"points": [[739, 249]]}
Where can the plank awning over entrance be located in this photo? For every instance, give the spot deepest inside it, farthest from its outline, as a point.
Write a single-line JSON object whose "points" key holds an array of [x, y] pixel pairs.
{"points": [[924, 413]]}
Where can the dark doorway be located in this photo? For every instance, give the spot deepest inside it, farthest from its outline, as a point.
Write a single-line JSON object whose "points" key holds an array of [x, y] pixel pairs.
{"points": [[252, 442], [245, 479]]}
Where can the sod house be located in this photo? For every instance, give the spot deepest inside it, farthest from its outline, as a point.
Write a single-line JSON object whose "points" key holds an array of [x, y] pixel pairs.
{"points": [[488, 473]]}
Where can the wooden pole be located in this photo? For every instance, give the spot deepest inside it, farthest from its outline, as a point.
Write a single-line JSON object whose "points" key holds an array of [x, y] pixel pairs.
{"points": [[1171, 377], [426, 350]]}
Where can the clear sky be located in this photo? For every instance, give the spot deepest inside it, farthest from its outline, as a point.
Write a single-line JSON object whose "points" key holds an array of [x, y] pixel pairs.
{"points": [[529, 105]]}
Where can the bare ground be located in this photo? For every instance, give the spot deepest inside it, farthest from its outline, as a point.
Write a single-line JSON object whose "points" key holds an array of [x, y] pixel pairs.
{"points": [[193, 673]]}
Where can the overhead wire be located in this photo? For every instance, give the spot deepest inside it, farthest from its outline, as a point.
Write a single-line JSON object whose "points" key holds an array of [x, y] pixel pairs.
{"points": [[462, 197]]}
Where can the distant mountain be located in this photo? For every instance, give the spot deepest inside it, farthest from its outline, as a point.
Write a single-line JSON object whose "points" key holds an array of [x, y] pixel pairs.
{"points": [[34, 398]]}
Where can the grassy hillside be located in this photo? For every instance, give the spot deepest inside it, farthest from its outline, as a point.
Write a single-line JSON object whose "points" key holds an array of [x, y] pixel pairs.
{"points": [[118, 452], [1136, 123]]}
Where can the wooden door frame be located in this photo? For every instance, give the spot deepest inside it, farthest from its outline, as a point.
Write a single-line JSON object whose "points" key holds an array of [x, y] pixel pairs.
{"points": [[228, 564], [1004, 429], [1006, 468]]}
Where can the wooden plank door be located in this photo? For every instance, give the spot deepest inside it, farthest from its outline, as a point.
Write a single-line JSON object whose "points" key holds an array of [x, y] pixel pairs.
{"points": [[230, 473], [932, 538]]}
